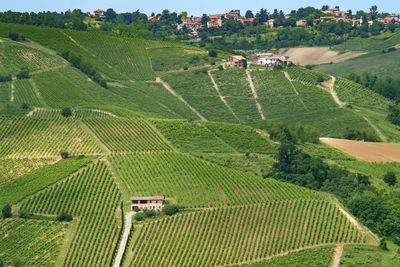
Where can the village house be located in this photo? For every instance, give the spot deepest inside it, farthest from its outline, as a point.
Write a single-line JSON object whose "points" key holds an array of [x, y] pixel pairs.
{"points": [[190, 24], [245, 20], [301, 22], [150, 203], [392, 19], [234, 14], [270, 23], [269, 59], [333, 11], [215, 21], [99, 13], [236, 61]]}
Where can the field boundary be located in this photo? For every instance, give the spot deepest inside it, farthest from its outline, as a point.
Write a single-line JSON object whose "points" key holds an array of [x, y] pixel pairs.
{"points": [[172, 92], [96, 138], [255, 95], [221, 96], [294, 88], [381, 135]]}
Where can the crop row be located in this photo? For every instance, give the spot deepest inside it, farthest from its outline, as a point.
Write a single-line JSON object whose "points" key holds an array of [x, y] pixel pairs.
{"points": [[197, 183], [240, 234], [25, 94], [356, 94], [29, 137], [35, 243], [93, 197], [125, 135], [308, 76]]}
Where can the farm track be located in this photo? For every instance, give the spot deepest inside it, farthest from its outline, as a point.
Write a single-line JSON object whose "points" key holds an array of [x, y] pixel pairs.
{"points": [[97, 139], [12, 91], [255, 96], [337, 255], [221, 96], [380, 134], [330, 87], [294, 88], [124, 239], [172, 92]]}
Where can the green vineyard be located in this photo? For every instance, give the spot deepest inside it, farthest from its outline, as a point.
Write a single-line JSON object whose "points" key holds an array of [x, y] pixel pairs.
{"points": [[240, 234], [31, 242], [93, 197], [30, 138], [196, 183], [304, 75], [124, 135]]}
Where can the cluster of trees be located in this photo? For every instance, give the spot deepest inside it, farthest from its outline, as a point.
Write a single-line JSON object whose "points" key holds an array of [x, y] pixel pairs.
{"points": [[365, 134], [377, 209], [85, 67], [297, 133], [169, 210], [387, 86]]}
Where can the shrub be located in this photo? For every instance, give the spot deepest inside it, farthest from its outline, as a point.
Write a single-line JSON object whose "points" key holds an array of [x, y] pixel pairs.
{"points": [[320, 79], [23, 74], [220, 67], [170, 209], [24, 106], [309, 67], [64, 154], [212, 63], [25, 214], [6, 211], [5, 77], [13, 36], [212, 53], [149, 213], [64, 217], [136, 209], [1, 263], [361, 134], [66, 112], [383, 244], [185, 67], [390, 178], [139, 217]]}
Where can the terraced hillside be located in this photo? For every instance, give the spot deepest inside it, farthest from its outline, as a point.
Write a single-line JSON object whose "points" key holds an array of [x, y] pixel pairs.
{"points": [[192, 135]]}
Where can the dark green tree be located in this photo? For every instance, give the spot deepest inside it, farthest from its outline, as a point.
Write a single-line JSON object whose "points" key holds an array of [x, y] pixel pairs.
{"points": [[249, 14], [110, 14], [66, 112], [390, 178], [6, 211], [170, 209]]}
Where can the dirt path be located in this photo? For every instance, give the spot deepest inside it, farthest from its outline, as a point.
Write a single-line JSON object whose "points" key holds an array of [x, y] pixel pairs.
{"points": [[221, 96], [32, 111], [105, 112], [124, 240], [337, 255], [294, 88], [98, 141], [12, 91], [330, 87], [380, 134], [172, 92], [255, 96]]}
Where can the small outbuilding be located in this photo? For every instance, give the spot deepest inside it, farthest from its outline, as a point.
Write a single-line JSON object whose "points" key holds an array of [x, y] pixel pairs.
{"points": [[150, 203]]}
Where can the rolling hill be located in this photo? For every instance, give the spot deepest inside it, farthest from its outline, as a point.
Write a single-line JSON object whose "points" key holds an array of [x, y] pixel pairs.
{"points": [[196, 136]]}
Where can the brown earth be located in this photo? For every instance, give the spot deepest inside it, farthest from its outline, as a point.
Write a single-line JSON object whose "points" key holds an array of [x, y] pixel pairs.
{"points": [[368, 151], [317, 55]]}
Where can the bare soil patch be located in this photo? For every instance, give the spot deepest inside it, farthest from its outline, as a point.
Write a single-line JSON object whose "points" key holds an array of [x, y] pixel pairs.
{"points": [[368, 151], [318, 55]]}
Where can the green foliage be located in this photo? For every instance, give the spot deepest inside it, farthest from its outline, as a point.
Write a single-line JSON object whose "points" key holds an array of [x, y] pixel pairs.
{"points": [[66, 112], [149, 213], [296, 133], [394, 114], [6, 211], [139, 216], [194, 182], [170, 209], [13, 36], [30, 137], [64, 217], [213, 53], [361, 134], [305, 75], [127, 135], [390, 178], [316, 257], [236, 228], [31, 242], [5, 77], [23, 74], [23, 214], [383, 244], [93, 197], [30, 183], [64, 154]]}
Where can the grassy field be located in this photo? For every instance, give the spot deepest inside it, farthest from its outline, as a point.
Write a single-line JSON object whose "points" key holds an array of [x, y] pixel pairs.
{"points": [[369, 44], [241, 232], [387, 64], [355, 255]]}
